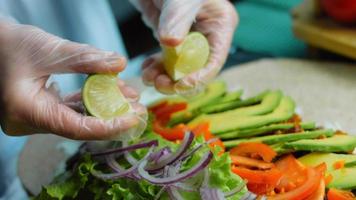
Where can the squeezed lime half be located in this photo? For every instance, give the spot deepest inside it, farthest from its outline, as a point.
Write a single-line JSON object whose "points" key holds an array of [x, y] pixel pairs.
{"points": [[191, 55], [102, 97]]}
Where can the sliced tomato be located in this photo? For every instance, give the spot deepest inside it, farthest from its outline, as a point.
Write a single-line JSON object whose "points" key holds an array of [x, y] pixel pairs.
{"points": [[172, 134], [160, 105], [204, 129], [269, 177], [311, 184], [294, 173], [260, 188], [319, 194], [164, 113], [164, 110], [339, 164], [336, 194], [250, 162], [254, 150]]}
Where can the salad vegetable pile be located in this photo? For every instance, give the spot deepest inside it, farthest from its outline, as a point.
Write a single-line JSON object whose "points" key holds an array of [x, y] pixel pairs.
{"points": [[217, 146]]}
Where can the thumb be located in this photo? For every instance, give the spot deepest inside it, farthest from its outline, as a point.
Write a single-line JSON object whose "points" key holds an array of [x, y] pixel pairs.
{"points": [[71, 57], [176, 20]]}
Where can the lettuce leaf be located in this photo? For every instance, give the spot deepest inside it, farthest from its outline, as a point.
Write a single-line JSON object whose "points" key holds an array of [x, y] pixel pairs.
{"points": [[80, 184]]}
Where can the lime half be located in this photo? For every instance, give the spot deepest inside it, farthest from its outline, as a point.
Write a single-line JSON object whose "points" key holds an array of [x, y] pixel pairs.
{"points": [[187, 57], [102, 97]]}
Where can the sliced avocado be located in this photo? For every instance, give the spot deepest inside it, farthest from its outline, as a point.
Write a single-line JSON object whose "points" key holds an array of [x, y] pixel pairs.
{"points": [[350, 164], [284, 111], [316, 158], [263, 130], [230, 96], [225, 106], [337, 143], [273, 139], [343, 178], [213, 92], [279, 149]]}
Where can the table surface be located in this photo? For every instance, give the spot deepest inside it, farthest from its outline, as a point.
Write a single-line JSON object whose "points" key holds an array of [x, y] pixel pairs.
{"points": [[324, 92]]}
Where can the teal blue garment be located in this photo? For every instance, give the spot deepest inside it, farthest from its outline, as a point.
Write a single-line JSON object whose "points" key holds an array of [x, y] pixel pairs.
{"points": [[86, 21], [266, 28]]}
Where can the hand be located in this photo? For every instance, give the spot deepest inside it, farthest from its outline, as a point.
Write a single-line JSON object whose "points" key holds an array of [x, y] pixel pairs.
{"points": [[28, 56], [171, 20]]}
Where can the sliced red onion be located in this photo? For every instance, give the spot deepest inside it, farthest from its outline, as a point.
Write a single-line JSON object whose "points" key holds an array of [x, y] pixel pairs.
{"points": [[195, 149], [121, 150], [204, 161], [115, 166], [160, 154], [187, 141], [126, 173], [235, 190], [207, 193], [174, 193]]}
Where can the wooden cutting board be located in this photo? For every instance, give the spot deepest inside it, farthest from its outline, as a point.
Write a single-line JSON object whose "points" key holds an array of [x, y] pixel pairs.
{"points": [[324, 92]]}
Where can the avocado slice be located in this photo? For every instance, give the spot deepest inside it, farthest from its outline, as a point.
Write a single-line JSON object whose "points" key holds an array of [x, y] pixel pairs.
{"points": [[337, 143], [225, 106], [212, 93], [274, 139], [342, 178], [222, 123], [278, 148], [350, 164], [316, 158], [263, 130], [230, 96]]}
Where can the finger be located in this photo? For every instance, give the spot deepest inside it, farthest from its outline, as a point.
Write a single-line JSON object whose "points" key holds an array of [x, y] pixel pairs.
{"points": [[63, 121], [219, 28], [73, 97], [130, 93], [70, 57], [150, 73], [176, 20], [164, 84]]}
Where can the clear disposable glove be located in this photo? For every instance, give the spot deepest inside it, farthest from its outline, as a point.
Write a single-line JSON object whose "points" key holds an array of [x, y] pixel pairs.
{"points": [[171, 21], [28, 56]]}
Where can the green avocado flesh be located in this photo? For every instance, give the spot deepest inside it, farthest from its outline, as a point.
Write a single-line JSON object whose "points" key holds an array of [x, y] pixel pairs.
{"points": [[226, 106], [263, 130], [231, 96], [281, 138], [337, 143], [211, 94], [343, 178], [248, 118]]}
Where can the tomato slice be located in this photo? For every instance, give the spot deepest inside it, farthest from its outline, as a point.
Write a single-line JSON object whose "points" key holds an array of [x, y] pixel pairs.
{"points": [[164, 110], [294, 173], [270, 177], [313, 178], [260, 188], [254, 150], [339, 164], [336, 194], [172, 134], [319, 194], [204, 129], [160, 105], [250, 162]]}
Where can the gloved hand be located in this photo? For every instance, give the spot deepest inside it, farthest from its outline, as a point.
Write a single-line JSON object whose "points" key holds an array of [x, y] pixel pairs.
{"points": [[28, 56], [171, 20]]}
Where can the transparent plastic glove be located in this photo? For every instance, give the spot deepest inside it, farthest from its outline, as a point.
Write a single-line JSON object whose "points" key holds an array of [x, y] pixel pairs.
{"points": [[171, 20], [28, 56]]}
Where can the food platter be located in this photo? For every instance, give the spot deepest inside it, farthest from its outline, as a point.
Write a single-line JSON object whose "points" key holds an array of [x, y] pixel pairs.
{"points": [[324, 92]]}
